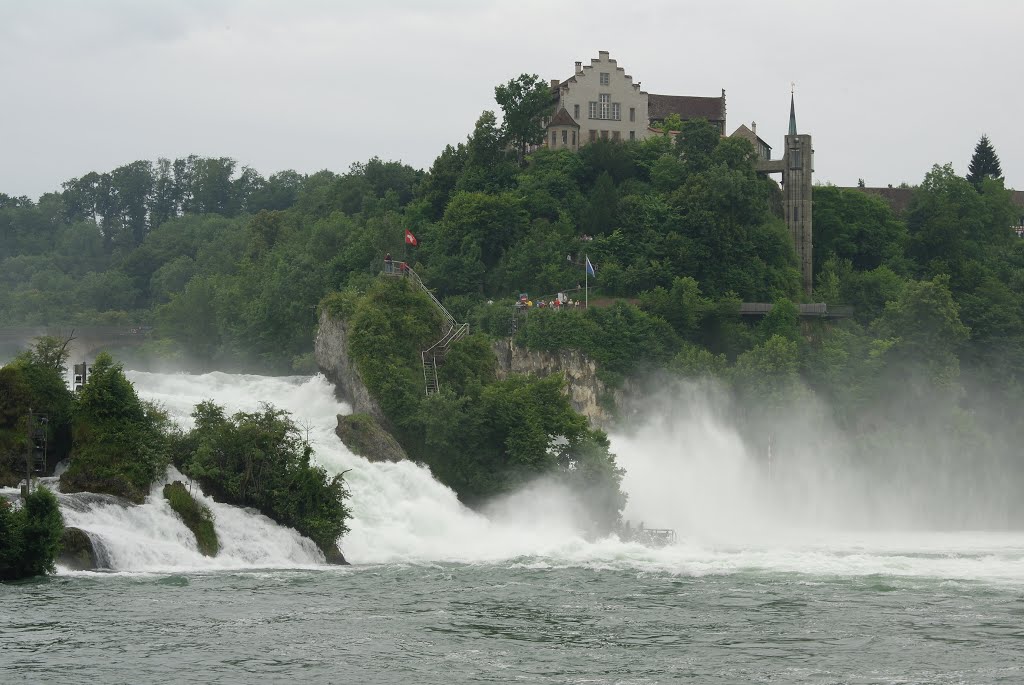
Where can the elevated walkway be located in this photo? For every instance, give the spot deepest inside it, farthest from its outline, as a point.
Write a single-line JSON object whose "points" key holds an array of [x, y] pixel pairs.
{"points": [[816, 310], [433, 356]]}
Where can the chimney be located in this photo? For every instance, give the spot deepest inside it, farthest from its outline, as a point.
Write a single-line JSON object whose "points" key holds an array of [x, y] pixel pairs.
{"points": [[579, 67], [753, 127], [554, 84]]}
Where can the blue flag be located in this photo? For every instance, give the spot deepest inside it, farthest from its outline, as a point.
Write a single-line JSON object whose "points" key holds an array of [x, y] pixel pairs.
{"points": [[590, 268]]}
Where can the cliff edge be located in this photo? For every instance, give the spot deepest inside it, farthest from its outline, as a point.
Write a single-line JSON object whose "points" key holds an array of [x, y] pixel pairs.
{"points": [[332, 357]]}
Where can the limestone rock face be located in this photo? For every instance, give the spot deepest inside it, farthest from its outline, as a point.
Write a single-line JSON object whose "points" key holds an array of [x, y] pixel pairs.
{"points": [[332, 357], [362, 434], [585, 389]]}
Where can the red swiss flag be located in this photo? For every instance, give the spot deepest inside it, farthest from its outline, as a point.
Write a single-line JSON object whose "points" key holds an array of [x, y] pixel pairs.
{"points": [[410, 239]]}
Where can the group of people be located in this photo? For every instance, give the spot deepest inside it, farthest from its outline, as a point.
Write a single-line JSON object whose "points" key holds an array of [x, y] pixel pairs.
{"points": [[556, 304]]}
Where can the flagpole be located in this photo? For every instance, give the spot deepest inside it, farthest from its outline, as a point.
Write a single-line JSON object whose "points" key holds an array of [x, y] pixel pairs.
{"points": [[586, 281]]}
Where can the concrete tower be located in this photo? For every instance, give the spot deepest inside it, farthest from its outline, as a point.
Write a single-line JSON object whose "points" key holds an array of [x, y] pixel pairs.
{"points": [[796, 194], [797, 169]]}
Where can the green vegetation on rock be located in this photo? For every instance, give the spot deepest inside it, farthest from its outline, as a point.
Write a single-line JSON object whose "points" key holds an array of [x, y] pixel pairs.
{"points": [[121, 443], [196, 517], [34, 381], [30, 536], [259, 459], [480, 436]]}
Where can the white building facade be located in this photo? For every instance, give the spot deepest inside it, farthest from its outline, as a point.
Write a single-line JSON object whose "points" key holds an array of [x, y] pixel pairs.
{"points": [[602, 99]]}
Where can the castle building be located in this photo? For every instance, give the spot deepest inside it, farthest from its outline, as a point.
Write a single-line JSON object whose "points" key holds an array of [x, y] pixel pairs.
{"points": [[600, 101]]}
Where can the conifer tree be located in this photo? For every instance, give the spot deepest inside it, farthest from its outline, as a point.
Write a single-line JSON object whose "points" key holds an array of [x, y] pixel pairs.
{"points": [[984, 163]]}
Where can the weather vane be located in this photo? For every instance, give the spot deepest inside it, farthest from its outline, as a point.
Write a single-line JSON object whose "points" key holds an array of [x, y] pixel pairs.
{"points": [[792, 87]]}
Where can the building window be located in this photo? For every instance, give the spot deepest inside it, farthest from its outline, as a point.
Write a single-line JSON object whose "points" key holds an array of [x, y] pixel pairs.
{"points": [[632, 135], [796, 215], [794, 159], [616, 111], [593, 135], [592, 110], [574, 138], [615, 135], [604, 101], [565, 136], [554, 138], [604, 135], [632, 113], [576, 112], [604, 78]]}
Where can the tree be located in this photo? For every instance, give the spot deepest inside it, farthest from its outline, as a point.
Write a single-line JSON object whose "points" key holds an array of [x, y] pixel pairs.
{"points": [[120, 442], [984, 163], [855, 226], [524, 101], [30, 536], [696, 141]]}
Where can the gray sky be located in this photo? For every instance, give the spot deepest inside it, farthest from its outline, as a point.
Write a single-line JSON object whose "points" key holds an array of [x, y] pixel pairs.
{"points": [[887, 88]]}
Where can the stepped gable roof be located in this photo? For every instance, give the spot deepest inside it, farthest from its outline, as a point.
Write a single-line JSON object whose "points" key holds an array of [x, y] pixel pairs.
{"points": [[686, 106], [562, 118]]}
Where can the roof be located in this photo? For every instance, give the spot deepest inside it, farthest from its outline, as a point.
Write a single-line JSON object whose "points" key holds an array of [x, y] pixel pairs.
{"points": [[562, 118], [744, 132], [899, 198], [686, 106]]}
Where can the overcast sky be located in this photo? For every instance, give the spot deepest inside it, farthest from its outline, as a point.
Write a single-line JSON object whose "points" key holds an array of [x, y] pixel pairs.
{"points": [[886, 88]]}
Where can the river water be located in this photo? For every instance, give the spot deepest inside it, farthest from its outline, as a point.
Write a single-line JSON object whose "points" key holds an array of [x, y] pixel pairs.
{"points": [[783, 588]]}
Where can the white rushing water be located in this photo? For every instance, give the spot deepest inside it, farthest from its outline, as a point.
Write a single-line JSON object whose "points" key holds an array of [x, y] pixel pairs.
{"points": [[692, 475]]}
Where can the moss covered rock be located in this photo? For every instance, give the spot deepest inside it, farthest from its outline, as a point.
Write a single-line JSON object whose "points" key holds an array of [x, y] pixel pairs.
{"points": [[77, 551], [362, 434], [197, 517], [334, 556]]}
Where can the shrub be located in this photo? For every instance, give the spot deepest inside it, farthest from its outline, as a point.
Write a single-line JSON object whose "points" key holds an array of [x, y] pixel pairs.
{"points": [[30, 536], [120, 442], [197, 517], [260, 460]]}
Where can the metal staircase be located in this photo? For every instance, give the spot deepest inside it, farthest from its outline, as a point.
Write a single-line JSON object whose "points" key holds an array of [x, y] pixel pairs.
{"points": [[433, 356]]}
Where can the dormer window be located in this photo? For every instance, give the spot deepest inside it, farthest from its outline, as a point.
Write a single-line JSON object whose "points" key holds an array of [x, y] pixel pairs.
{"points": [[604, 78]]}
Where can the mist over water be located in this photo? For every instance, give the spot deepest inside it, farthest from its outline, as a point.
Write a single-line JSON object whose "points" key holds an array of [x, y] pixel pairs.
{"points": [[689, 467]]}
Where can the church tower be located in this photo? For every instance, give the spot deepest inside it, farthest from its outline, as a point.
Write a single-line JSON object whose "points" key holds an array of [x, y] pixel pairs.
{"points": [[797, 173]]}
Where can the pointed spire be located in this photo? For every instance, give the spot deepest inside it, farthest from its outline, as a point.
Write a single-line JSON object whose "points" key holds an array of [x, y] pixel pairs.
{"points": [[792, 110]]}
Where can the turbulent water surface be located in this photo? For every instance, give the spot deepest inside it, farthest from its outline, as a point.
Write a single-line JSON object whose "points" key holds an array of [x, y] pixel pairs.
{"points": [[757, 588]]}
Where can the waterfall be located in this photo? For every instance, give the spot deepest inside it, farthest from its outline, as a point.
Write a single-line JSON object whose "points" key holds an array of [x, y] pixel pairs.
{"points": [[691, 473], [151, 538], [399, 512]]}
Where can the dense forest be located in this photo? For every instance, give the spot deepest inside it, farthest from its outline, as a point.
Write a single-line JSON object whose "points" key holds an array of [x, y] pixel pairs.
{"points": [[228, 268]]}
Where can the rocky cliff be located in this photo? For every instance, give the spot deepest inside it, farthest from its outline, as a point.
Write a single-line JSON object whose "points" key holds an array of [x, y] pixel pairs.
{"points": [[331, 354], [588, 395]]}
